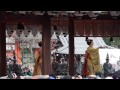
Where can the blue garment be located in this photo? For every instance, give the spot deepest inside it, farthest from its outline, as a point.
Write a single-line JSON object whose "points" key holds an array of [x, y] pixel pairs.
{"points": [[51, 77]]}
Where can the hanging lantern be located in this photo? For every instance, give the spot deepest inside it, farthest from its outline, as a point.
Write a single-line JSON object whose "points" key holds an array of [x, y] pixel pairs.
{"points": [[58, 33], [65, 34], [22, 37], [38, 37], [19, 32], [21, 12], [54, 37], [35, 29], [78, 14], [34, 32], [114, 13], [6, 34], [30, 37], [26, 32], [64, 29], [67, 37], [9, 31], [39, 12]]}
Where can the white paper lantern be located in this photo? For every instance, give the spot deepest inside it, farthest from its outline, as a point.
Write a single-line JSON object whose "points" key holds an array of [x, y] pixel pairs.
{"points": [[77, 13], [22, 37], [38, 37], [6, 33], [39, 12], [19, 32], [114, 13], [22, 12], [64, 29], [9, 31], [54, 37], [92, 14], [26, 32], [34, 32]]}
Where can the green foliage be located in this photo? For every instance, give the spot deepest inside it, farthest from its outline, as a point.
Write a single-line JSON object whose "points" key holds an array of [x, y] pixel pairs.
{"points": [[115, 43]]}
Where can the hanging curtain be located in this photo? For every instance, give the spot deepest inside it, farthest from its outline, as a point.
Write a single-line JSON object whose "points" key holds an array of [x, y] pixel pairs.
{"points": [[116, 27], [108, 27], [95, 28], [88, 27], [101, 28], [17, 52], [79, 28]]}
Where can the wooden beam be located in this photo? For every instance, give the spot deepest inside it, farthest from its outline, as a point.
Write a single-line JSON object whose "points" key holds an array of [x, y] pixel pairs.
{"points": [[2, 50], [30, 19], [46, 46], [71, 45], [11, 19]]}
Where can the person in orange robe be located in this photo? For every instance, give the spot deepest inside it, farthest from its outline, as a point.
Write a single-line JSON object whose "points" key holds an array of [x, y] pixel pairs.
{"points": [[38, 63], [92, 62]]}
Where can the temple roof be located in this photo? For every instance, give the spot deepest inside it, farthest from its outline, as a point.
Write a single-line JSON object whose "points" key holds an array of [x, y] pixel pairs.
{"points": [[91, 14], [80, 45]]}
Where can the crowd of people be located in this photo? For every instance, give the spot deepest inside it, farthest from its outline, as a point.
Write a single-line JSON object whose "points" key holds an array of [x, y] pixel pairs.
{"points": [[60, 70], [13, 68], [89, 69]]}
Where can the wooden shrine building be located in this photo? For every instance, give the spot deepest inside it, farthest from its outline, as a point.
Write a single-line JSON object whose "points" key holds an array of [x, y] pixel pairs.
{"points": [[77, 23]]}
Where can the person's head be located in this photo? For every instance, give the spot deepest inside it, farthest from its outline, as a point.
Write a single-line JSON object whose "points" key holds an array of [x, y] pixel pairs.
{"points": [[62, 60], [90, 42], [10, 62], [67, 77], [7, 63], [58, 77]]}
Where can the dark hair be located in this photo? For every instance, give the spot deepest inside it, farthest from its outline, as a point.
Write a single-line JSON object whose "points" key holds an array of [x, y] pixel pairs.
{"points": [[67, 77], [18, 77], [10, 76], [40, 44], [89, 41]]}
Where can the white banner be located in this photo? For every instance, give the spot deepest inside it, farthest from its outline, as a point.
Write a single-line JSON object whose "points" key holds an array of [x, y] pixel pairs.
{"points": [[114, 55]]}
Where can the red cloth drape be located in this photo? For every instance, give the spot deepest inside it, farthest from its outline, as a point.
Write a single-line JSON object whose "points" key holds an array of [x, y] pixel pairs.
{"points": [[36, 53], [85, 72], [17, 52]]}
